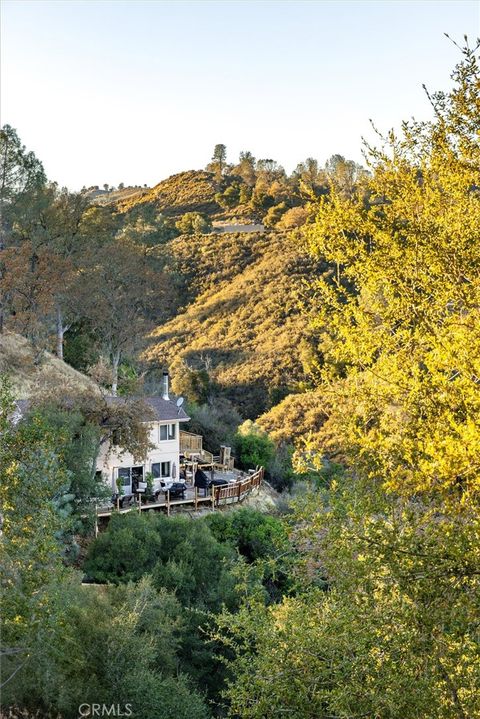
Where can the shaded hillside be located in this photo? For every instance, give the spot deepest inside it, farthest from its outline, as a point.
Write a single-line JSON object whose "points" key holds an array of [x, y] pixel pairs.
{"points": [[192, 191], [297, 418], [31, 374], [244, 323], [204, 262]]}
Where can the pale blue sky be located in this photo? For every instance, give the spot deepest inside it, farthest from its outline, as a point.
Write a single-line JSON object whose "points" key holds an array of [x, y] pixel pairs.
{"points": [[124, 91]]}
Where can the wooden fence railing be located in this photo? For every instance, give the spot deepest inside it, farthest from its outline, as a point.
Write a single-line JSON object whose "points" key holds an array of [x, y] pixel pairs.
{"points": [[190, 442], [235, 492], [216, 497]]}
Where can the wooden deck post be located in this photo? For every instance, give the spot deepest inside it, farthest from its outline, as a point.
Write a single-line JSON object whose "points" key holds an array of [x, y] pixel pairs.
{"points": [[168, 502], [196, 498], [213, 497], [139, 497]]}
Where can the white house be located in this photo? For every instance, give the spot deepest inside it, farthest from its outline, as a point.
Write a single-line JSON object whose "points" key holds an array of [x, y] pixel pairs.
{"points": [[125, 475]]}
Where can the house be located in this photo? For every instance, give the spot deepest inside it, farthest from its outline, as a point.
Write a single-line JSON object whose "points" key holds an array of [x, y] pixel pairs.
{"points": [[126, 476]]}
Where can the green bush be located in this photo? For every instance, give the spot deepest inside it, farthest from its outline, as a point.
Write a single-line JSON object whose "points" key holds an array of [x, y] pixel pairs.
{"points": [[216, 422], [253, 446], [114, 645], [194, 564], [127, 550], [182, 556], [193, 223], [256, 535]]}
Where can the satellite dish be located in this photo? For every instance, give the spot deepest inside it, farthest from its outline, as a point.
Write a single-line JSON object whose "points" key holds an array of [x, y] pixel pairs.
{"points": [[180, 401]]}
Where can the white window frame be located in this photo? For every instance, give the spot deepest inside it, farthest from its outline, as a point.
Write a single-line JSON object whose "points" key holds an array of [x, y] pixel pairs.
{"points": [[171, 432]]}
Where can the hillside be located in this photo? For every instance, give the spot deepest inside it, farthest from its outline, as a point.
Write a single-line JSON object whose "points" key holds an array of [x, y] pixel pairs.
{"points": [[242, 319], [31, 376], [191, 191], [113, 197], [295, 418]]}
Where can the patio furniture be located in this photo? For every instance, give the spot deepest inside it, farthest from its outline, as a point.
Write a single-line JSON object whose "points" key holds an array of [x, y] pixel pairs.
{"points": [[178, 489]]}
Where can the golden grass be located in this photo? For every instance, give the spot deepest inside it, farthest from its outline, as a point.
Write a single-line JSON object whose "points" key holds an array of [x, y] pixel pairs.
{"points": [[245, 324], [47, 376]]}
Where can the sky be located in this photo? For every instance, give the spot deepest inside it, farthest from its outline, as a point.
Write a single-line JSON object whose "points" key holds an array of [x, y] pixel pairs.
{"points": [[134, 91]]}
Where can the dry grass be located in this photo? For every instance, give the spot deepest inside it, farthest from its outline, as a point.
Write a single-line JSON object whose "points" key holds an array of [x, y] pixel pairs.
{"points": [[30, 378], [192, 191], [246, 323]]}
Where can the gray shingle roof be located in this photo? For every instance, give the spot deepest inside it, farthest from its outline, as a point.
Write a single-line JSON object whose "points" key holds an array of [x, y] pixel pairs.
{"points": [[165, 410]]}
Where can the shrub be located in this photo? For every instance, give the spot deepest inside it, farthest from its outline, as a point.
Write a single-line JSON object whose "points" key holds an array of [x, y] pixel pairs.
{"points": [[253, 446], [216, 423], [126, 551], [295, 217], [256, 535], [193, 223]]}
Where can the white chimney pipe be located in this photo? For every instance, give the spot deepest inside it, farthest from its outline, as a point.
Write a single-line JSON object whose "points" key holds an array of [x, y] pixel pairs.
{"points": [[165, 394]]}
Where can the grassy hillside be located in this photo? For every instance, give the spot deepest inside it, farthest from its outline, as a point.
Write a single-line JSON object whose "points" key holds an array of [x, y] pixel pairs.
{"points": [[242, 318], [296, 418], [32, 375], [192, 191], [112, 197]]}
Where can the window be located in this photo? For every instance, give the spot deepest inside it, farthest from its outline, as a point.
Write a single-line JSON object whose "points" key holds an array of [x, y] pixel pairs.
{"points": [[161, 470], [167, 431], [127, 475], [124, 475]]}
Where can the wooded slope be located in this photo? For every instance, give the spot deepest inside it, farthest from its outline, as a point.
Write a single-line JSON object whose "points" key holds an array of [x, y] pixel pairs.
{"points": [[242, 319], [191, 191]]}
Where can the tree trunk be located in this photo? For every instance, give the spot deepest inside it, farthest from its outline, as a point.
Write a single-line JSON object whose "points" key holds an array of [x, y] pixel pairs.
{"points": [[115, 363], [60, 331]]}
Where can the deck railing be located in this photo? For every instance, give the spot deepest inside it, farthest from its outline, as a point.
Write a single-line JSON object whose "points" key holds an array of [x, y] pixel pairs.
{"points": [[236, 491], [190, 443], [228, 493]]}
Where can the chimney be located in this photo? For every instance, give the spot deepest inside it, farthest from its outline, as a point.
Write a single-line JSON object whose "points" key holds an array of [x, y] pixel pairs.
{"points": [[165, 394]]}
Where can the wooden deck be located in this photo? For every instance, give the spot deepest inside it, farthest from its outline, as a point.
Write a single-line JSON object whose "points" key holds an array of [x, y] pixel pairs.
{"points": [[234, 490]]}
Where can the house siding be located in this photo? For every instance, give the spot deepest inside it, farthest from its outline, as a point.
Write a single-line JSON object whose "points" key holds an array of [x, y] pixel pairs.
{"points": [[110, 460]]}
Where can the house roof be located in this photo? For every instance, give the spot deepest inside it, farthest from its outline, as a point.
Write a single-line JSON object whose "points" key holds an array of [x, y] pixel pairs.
{"points": [[165, 410]]}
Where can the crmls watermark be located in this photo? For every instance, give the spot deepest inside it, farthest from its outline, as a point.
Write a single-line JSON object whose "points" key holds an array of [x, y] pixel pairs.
{"points": [[104, 710]]}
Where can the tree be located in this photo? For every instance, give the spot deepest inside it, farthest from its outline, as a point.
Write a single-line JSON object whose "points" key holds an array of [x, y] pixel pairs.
{"points": [[77, 440], [246, 168], [294, 217], [120, 295], [397, 321], [253, 447], [193, 223], [274, 214], [67, 240], [395, 635], [21, 175], [219, 158], [32, 479], [166, 548], [116, 647], [343, 173], [394, 537]]}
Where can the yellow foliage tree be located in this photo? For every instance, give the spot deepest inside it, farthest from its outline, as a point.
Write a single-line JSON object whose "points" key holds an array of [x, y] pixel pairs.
{"points": [[400, 317]]}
